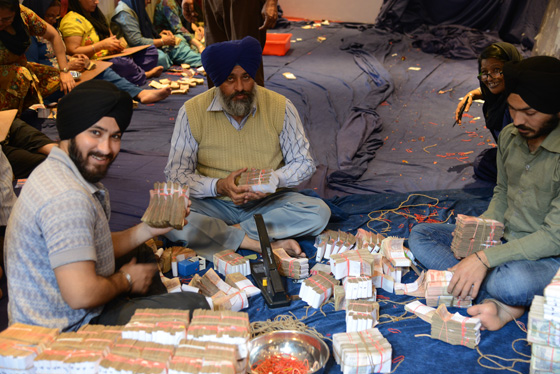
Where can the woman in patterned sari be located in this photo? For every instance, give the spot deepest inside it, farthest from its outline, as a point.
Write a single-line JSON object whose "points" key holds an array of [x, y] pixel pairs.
{"points": [[24, 83]]}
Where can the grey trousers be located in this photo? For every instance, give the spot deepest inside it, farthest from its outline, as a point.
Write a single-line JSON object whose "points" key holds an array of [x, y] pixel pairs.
{"points": [[286, 214]]}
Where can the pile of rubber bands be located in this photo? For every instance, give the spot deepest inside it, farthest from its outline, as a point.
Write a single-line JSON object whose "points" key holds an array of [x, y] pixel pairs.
{"points": [[281, 364]]}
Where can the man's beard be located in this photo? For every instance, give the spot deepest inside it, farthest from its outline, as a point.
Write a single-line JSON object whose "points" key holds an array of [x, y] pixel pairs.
{"points": [[238, 108], [548, 127], [92, 176]]}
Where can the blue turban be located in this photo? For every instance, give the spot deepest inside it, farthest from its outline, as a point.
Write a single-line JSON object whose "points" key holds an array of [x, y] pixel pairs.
{"points": [[219, 59]]}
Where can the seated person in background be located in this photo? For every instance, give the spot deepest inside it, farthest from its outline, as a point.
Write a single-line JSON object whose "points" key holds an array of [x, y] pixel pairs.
{"points": [[218, 135], [24, 83], [41, 51], [86, 31], [130, 19], [506, 277], [66, 275], [7, 201], [24, 146], [169, 16], [492, 90], [41, 54], [233, 20]]}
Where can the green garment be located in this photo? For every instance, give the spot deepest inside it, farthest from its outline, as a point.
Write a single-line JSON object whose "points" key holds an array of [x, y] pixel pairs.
{"points": [[526, 198]]}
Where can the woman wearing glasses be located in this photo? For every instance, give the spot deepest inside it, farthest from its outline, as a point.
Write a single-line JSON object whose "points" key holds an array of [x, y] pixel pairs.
{"points": [[495, 110]]}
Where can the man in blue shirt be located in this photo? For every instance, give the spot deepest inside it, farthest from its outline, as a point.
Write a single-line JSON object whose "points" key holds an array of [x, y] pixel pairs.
{"points": [[60, 253]]}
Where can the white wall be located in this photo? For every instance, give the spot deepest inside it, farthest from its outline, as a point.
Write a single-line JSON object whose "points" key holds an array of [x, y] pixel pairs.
{"points": [[364, 11]]}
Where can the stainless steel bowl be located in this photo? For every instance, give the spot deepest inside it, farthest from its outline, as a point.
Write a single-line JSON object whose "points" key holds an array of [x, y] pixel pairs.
{"points": [[300, 345]]}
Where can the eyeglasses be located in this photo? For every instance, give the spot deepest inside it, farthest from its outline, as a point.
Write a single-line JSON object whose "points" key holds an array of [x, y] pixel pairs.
{"points": [[496, 73]]}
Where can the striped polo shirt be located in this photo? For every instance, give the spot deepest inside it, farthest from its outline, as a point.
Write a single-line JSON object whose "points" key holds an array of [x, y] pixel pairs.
{"points": [[59, 218]]}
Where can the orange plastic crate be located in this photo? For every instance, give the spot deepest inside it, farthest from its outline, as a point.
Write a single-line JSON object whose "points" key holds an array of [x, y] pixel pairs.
{"points": [[277, 44]]}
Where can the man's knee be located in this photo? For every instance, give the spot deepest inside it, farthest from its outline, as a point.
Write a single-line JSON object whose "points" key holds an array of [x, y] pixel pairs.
{"points": [[196, 221], [419, 234], [323, 213], [431, 232], [511, 286], [317, 213]]}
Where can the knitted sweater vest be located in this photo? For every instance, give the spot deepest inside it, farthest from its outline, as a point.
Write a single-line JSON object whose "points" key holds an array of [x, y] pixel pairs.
{"points": [[223, 149]]}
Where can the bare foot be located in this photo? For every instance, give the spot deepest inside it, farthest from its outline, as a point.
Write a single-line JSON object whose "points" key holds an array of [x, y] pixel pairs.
{"points": [[155, 72], [152, 96], [290, 246], [494, 315]]}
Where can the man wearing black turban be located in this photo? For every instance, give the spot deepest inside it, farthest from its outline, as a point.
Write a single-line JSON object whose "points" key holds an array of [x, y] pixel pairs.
{"points": [[505, 278], [60, 254], [222, 132]]}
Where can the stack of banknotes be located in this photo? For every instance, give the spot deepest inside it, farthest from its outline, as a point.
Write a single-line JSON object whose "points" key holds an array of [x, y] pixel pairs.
{"points": [[291, 267], [436, 283], [362, 352], [473, 234], [454, 328], [229, 261], [544, 329]]}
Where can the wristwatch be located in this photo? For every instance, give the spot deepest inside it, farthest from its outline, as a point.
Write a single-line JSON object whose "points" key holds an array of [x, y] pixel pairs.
{"points": [[65, 70], [128, 278]]}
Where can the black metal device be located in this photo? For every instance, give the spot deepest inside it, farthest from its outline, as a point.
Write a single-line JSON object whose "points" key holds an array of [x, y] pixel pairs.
{"points": [[266, 273]]}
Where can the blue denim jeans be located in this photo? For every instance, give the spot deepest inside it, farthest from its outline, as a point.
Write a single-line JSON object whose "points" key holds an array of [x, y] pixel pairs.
{"points": [[513, 283]]}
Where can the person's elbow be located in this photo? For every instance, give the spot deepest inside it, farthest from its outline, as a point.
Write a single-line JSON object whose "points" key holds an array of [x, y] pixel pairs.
{"points": [[80, 300], [308, 171], [80, 287]]}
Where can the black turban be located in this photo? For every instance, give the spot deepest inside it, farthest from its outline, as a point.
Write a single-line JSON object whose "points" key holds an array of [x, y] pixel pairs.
{"points": [[219, 59], [537, 81], [88, 103]]}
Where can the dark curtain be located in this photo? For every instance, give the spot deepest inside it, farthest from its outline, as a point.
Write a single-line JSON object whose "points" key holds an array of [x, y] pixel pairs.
{"points": [[515, 21]]}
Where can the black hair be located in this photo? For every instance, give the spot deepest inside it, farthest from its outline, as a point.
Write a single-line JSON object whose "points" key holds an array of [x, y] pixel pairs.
{"points": [[97, 18], [54, 3], [18, 43], [493, 51]]}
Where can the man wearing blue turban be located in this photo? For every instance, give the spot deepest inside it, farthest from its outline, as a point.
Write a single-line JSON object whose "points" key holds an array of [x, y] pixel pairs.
{"points": [[222, 132], [505, 278]]}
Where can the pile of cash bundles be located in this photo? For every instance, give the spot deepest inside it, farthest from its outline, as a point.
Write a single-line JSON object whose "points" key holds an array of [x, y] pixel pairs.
{"points": [[228, 261], [167, 206], [332, 242], [454, 328], [318, 289], [473, 234], [544, 329], [451, 328], [222, 295], [361, 315], [291, 267], [364, 352], [260, 180], [214, 342], [436, 283]]}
